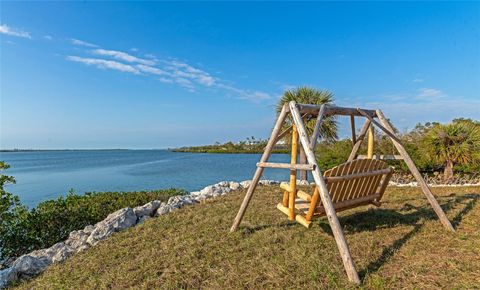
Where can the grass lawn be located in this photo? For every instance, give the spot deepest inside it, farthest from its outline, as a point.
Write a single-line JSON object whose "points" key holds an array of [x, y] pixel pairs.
{"points": [[399, 245]]}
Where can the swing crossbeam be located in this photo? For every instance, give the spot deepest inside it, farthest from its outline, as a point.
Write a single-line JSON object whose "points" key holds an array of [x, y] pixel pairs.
{"points": [[313, 110]]}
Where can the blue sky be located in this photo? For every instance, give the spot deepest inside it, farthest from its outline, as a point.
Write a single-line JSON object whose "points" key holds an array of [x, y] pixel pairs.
{"points": [[157, 75]]}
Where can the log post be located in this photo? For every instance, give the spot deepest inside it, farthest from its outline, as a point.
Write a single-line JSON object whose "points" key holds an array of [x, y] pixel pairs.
{"points": [[371, 140], [359, 140], [313, 140], [313, 205], [318, 125], [325, 197], [303, 160], [259, 170], [293, 175], [352, 125], [387, 128]]}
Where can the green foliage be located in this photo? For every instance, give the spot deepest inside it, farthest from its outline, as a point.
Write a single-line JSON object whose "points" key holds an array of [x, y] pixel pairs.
{"points": [[7, 200], [12, 212], [429, 145], [452, 144], [331, 154], [249, 146], [23, 230], [308, 95]]}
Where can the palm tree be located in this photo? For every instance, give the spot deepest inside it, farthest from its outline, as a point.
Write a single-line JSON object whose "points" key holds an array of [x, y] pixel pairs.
{"points": [[454, 143], [308, 95]]}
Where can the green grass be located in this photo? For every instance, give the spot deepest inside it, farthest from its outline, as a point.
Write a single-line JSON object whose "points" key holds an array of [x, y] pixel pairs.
{"points": [[400, 245]]}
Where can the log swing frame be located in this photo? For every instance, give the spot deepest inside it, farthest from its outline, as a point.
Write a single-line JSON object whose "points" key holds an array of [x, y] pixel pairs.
{"points": [[298, 112]]}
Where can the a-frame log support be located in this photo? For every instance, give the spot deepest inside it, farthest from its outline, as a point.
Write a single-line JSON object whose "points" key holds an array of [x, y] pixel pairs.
{"points": [[359, 140], [352, 126], [387, 128], [325, 198], [258, 172]]}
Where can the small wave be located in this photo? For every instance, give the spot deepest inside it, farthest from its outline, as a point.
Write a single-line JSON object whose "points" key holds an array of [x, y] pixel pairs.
{"points": [[153, 162]]}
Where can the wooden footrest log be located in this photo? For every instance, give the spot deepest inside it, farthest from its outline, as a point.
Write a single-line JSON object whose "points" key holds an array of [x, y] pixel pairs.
{"points": [[285, 210], [303, 195], [285, 186], [300, 193], [301, 220]]}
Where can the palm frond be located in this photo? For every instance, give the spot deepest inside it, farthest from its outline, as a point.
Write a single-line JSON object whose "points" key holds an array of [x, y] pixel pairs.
{"points": [[308, 95]]}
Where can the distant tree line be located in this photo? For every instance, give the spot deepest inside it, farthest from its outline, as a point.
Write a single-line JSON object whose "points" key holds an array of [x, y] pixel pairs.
{"points": [[250, 145]]}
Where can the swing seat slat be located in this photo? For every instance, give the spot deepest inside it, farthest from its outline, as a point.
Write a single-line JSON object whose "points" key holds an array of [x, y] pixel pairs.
{"points": [[351, 184]]}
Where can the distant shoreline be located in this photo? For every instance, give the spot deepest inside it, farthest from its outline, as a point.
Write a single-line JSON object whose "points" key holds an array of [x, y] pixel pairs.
{"points": [[219, 151], [175, 150], [249, 146], [39, 150]]}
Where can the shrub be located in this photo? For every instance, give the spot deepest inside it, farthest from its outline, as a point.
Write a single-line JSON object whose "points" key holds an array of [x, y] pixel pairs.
{"points": [[331, 154], [23, 230], [457, 143]]}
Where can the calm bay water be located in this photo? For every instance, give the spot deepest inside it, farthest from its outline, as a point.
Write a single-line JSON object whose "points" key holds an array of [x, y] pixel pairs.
{"points": [[43, 175]]}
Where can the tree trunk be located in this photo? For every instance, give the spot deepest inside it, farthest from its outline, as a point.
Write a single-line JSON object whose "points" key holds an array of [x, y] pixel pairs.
{"points": [[448, 171], [303, 160]]}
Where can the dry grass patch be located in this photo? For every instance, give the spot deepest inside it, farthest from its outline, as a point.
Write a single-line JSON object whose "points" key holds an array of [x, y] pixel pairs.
{"points": [[400, 245]]}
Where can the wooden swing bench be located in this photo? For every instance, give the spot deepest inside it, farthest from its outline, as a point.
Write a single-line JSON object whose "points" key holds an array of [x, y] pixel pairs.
{"points": [[352, 184], [355, 183]]}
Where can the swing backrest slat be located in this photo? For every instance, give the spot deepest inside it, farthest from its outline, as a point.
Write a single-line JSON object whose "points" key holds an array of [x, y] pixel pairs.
{"points": [[357, 179]]}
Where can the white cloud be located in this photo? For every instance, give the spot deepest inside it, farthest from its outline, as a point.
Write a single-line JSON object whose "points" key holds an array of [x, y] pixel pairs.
{"points": [[166, 80], [82, 43], [170, 72], [104, 64], [286, 87], [417, 80], [48, 37], [5, 29], [187, 71], [151, 69], [151, 56], [429, 93], [120, 55], [255, 96], [185, 83]]}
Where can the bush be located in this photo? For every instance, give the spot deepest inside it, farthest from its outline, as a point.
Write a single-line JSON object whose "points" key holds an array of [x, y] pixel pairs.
{"points": [[331, 154], [23, 230]]}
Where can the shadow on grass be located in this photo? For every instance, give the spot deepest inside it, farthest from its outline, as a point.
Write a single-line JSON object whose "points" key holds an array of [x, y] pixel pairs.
{"points": [[389, 218], [252, 229], [470, 205], [388, 252], [379, 218]]}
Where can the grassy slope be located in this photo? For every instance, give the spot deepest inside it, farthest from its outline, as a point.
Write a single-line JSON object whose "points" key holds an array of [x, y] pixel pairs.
{"points": [[400, 245]]}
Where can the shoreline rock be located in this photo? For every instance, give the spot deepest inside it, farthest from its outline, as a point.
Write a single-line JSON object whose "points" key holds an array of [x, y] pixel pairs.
{"points": [[115, 222]]}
